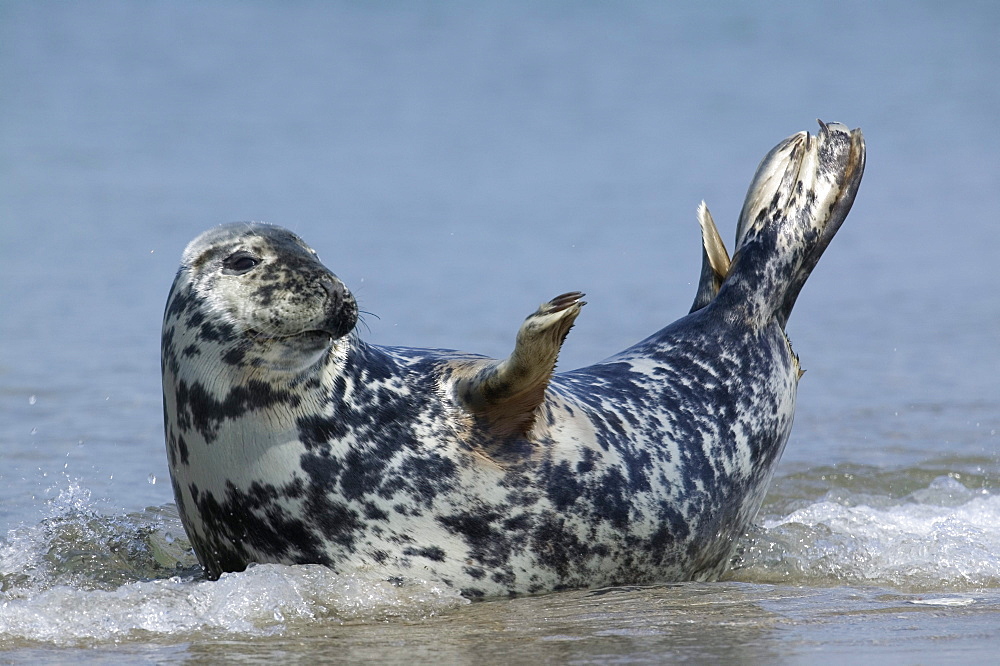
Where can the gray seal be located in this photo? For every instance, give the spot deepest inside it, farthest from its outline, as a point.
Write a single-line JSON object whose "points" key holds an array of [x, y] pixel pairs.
{"points": [[291, 440]]}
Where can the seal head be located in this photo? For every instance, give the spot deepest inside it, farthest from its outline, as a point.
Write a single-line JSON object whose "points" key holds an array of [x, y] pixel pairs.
{"points": [[261, 291]]}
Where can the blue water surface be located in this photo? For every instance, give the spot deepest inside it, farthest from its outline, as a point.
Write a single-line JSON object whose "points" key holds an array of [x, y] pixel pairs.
{"points": [[459, 163]]}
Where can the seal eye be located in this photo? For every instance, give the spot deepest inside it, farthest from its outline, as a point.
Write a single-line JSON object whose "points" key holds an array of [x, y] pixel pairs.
{"points": [[239, 263]]}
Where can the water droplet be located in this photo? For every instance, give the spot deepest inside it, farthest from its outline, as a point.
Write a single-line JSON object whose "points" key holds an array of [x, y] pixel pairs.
{"points": [[32, 399], [152, 479]]}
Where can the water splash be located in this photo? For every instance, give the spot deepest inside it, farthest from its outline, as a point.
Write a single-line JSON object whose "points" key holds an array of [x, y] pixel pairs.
{"points": [[942, 537], [77, 546], [79, 577], [264, 600]]}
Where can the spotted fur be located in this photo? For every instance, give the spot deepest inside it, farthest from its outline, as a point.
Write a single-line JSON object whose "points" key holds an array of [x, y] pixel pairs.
{"points": [[291, 440]]}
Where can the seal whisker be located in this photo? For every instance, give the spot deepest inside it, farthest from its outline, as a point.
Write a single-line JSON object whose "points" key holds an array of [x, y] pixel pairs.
{"points": [[361, 319]]}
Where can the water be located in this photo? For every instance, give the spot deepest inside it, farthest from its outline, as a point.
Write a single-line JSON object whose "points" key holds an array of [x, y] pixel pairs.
{"points": [[457, 165]]}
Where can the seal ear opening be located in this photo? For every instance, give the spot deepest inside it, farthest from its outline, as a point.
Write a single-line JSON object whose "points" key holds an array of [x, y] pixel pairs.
{"points": [[506, 394]]}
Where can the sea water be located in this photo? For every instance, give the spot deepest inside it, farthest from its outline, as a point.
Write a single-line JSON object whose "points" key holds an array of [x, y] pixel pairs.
{"points": [[457, 165]]}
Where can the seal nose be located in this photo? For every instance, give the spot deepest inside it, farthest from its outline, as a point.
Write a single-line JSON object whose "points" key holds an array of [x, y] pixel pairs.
{"points": [[342, 310]]}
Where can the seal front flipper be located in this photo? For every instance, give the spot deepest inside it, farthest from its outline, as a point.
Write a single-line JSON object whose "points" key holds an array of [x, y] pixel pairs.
{"points": [[506, 394], [714, 260]]}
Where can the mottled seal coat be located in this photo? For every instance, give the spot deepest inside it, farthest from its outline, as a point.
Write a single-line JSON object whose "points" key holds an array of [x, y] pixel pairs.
{"points": [[290, 440]]}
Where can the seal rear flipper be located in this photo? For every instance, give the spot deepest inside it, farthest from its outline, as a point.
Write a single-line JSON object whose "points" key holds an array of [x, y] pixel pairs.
{"points": [[714, 260], [799, 197], [849, 181], [506, 394]]}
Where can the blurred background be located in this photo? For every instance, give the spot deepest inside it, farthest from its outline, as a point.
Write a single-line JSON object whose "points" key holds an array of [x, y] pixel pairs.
{"points": [[456, 164]]}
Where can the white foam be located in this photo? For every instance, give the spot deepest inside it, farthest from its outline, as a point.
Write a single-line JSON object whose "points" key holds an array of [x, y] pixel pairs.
{"points": [[79, 577], [264, 600], [945, 536], [952, 602]]}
